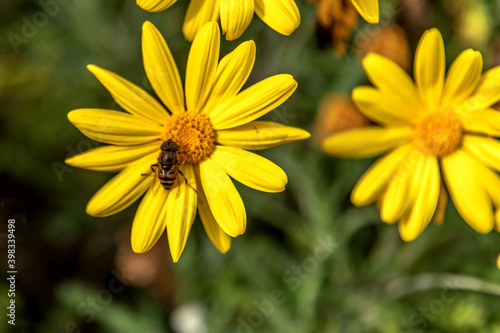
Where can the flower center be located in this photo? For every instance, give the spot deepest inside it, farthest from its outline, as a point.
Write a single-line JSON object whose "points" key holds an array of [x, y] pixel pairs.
{"points": [[193, 133], [438, 133]]}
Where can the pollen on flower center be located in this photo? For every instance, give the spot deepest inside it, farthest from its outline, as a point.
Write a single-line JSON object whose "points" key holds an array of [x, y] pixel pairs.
{"points": [[438, 133], [193, 133]]}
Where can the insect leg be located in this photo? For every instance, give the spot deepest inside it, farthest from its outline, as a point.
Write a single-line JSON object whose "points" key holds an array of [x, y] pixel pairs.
{"points": [[150, 173], [186, 181], [178, 188]]}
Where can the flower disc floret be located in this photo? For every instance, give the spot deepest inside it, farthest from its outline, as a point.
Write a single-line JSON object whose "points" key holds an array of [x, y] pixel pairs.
{"points": [[438, 133], [193, 133]]}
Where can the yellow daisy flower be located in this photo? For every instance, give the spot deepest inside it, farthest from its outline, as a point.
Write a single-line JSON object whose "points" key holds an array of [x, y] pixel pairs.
{"points": [[235, 15], [434, 128], [212, 124]]}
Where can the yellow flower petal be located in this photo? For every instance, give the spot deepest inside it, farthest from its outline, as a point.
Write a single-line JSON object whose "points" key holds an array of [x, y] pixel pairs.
{"points": [[497, 224], [223, 199], [114, 127], [181, 210], [235, 16], [232, 73], [486, 94], [427, 176], [149, 221], [281, 15], [260, 135], [199, 12], [123, 189], [254, 102], [430, 66], [111, 158], [498, 261], [202, 66], [161, 68], [129, 96], [486, 122], [381, 108], [219, 238], [469, 196], [155, 5], [401, 192], [491, 183], [483, 149], [462, 78], [397, 87], [250, 169], [366, 142], [368, 9], [378, 176]]}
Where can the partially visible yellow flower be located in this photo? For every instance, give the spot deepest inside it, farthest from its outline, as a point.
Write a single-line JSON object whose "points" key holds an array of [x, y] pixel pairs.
{"points": [[235, 15], [433, 129], [212, 122]]}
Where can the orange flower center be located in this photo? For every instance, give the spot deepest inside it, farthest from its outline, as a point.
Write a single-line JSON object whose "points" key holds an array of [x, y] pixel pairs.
{"points": [[438, 133], [193, 133]]}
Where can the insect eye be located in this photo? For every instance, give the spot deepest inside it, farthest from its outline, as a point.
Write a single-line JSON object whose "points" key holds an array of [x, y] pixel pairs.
{"points": [[164, 166]]}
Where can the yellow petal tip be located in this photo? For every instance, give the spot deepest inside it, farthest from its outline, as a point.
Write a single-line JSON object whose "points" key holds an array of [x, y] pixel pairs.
{"points": [[408, 237], [210, 25], [92, 68], [69, 160], [139, 246], [303, 135], [155, 6], [175, 252], [433, 33], [138, 249], [371, 18], [485, 228], [372, 59], [223, 248], [236, 230], [233, 233], [91, 210], [148, 25], [356, 200], [386, 218]]}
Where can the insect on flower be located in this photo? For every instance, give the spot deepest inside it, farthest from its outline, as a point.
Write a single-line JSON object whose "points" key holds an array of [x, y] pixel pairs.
{"points": [[168, 165], [209, 123]]}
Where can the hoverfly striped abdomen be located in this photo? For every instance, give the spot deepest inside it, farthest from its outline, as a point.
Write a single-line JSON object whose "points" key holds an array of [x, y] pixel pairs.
{"points": [[168, 165]]}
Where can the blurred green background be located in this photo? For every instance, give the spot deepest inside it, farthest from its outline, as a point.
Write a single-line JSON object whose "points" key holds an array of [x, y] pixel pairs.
{"points": [[308, 262]]}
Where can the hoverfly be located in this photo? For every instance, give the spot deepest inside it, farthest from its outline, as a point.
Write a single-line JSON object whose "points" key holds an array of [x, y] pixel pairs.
{"points": [[168, 165]]}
